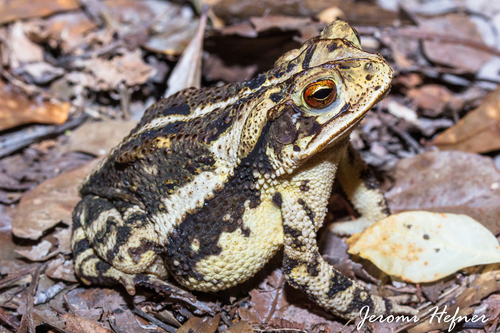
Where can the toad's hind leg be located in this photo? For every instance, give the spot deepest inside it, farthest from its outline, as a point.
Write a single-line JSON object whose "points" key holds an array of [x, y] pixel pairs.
{"points": [[116, 245]]}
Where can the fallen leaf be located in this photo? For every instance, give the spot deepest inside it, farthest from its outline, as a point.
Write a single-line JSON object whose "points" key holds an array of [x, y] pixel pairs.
{"points": [[98, 138], [17, 109], [330, 14], [280, 22], [37, 252], [21, 9], [49, 203], [240, 327], [22, 49], [434, 99], [200, 325], [448, 182], [128, 68], [79, 324], [39, 73], [67, 30], [478, 131], [172, 42], [88, 299], [62, 269], [424, 247], [128, 322], [63, 236], [453, 54], [159, 26]]}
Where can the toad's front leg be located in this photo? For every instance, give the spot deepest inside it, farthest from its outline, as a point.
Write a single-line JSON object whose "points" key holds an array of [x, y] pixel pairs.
{"points": [[303, 210]]}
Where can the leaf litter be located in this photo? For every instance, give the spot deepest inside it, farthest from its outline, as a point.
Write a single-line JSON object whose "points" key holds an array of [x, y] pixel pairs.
{"points": [[106, 61]]}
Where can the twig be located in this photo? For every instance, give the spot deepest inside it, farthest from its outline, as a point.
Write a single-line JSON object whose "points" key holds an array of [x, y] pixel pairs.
{"points": [[5, 282], [112, 323], [5, 318], [27, 319], [12, 142], [276, 297], [48, 294], [153, 320], [403, 135]]}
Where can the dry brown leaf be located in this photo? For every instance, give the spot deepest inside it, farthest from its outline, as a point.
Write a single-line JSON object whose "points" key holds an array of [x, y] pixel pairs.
{"points": [[363, 13], [17, 109], [452, 54], [67, 29], [280, 22], [200, 325], [38, 252], [22, 49], [63, 236], [128, 68], [128, 322], [433, 98], [240, 327], [79, 324], [49, 203], [98, 138], [62, 269], [173, 43], [478, 131], [109, 300], [448, 182], [21, 9], [330, 14]]}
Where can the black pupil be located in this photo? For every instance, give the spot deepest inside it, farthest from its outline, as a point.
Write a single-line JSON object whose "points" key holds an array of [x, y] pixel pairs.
{"points": [[322, 93]]}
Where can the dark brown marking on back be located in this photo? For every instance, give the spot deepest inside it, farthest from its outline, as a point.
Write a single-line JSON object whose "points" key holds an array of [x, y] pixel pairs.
{"points": [[223, 213], [278, 199], [308, 56], [256, 82]]}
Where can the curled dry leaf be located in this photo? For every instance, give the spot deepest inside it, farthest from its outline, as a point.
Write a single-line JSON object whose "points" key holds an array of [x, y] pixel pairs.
{"points": [[49, 203], [423, 247], [477, 132], [448, 182], [17, 109], [21, 9]]}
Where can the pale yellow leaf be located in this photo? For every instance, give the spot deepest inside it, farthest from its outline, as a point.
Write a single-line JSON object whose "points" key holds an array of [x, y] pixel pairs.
{"points": [[421, 246]]}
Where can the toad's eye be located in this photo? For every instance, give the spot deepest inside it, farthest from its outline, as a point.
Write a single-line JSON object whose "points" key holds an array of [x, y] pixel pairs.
{"points": [[320, 94]]}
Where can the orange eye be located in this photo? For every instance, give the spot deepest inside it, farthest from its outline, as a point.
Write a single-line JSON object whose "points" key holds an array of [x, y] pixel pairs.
{"points": [[320, 93]]}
